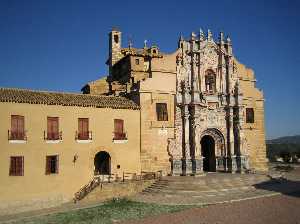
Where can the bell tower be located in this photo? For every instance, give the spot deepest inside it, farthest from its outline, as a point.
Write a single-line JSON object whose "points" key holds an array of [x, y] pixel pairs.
{"points": [[115, 40]]}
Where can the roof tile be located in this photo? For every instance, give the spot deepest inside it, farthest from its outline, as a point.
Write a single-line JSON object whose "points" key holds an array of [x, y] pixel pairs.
{"points": [[65, 99]]}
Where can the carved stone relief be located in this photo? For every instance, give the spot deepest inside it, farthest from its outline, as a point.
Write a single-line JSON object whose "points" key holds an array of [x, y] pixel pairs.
{"points": [[207, 116]]}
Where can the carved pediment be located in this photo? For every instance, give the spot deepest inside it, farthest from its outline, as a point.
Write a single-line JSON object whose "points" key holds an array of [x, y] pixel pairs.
{"points": [[209, 56]]}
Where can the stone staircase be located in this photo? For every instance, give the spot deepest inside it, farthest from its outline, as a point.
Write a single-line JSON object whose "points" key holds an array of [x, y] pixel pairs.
{"points": [[103, 187], [212, 188]]}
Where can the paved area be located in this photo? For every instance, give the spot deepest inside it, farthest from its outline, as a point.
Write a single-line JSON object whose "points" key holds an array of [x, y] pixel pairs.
{"points": [[273, 200], [281, 209], [210, 189], [271, 197]]}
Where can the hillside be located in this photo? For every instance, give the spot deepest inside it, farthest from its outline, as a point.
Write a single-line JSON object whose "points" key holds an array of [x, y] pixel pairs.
{"points": [[287, 146], [285, 140]]}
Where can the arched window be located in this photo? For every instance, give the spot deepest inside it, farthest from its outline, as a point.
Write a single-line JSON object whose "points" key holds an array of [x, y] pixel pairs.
{"points": [[210, 82]]}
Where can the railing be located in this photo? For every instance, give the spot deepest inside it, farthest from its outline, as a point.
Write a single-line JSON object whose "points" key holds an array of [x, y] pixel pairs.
{"points": [[83, 135], [17, 135], [95, 182], [119, 136], [52, 135], [100, 179]]}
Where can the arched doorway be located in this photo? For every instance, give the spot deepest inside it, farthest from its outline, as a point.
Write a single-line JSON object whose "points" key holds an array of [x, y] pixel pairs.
{"points": [[102, 163], [208, 152]]}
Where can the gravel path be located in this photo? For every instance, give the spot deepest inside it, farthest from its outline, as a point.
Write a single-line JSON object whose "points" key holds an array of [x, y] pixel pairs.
{"points": [[269, 210]]}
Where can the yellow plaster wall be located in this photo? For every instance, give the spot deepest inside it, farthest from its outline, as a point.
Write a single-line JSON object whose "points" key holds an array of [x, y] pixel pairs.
{"points": [[37, 189]]}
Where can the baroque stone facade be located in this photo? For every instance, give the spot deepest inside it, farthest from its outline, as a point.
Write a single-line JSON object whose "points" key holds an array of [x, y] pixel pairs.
{"points": [[208, 103], [212, 95]]}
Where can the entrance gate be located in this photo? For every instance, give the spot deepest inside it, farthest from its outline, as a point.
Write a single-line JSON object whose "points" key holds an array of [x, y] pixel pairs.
{"points": [[102, 163], [208, 152]]}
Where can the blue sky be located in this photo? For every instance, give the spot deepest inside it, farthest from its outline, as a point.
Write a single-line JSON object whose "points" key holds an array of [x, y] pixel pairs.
{"points": [[61, 45]]}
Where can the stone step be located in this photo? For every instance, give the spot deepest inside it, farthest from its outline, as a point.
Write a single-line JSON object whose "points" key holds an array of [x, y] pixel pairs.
{"points": [[191, 193], [204, 183], [212, 183]]}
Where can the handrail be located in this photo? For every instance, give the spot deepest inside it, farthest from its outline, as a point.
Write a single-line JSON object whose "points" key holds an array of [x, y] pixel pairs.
{"points": [[22, 135], [52, 135], [100, 179], [84, 135], [120, 136]]}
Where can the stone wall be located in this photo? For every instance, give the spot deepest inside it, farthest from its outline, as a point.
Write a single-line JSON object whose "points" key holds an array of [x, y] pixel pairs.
{"points": [[254, 132]]}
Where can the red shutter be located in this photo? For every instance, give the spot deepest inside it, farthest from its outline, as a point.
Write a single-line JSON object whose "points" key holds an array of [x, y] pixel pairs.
{"points": [[52, 128], [12, 167], [14, 126], [161, 111], [16, 166], [49, 128], [48, 165], [119, 129], [21, 128], [20, 166], [83, 128], [17, 127], [56, 164]]}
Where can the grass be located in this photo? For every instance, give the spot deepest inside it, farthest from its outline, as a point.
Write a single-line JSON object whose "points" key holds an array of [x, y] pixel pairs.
{"points": [[110, 212]]}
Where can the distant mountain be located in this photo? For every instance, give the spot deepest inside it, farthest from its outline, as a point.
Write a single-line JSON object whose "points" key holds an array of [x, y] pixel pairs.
{"points": [[285, 140]]}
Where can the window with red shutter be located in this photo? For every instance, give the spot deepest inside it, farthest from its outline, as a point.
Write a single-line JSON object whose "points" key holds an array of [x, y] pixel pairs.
{"points": [[119, 129], [249, 115], [52, 128], [17, 128], [83, 128], [161, 112], [16, 167], [51, 164]]}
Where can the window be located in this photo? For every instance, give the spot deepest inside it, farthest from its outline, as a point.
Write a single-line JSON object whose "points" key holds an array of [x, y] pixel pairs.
{"points": [[210, 82], [137, 61], [16, 167], [249, 115], [119, 133], [52, 128], [83, 129], [116, 38], [17, 128], [161, 112], [51, 164]]}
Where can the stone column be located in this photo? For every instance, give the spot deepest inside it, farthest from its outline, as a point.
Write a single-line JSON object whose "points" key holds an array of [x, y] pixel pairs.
{"points": [[198, 159], [187, 161], [232, 163]]}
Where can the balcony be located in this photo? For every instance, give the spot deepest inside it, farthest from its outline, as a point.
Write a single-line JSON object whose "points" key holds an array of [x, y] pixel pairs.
{"points": [[17, 136], [83, 137], [120, 137], [53, 137]]}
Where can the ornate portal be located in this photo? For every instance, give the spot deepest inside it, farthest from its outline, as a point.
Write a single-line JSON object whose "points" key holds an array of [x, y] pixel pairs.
{"points": [[208, 108]]}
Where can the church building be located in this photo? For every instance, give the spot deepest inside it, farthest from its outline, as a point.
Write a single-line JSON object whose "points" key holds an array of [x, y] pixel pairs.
{"points": [[193, 111]]}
